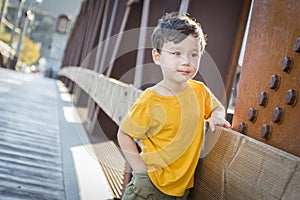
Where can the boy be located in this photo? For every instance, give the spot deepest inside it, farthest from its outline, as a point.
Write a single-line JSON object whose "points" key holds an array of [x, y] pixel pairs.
{"points": [[168, 118]]}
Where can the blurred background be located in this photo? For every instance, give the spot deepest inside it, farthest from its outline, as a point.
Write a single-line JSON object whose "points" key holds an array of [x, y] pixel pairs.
{"points": [[32, 29]]}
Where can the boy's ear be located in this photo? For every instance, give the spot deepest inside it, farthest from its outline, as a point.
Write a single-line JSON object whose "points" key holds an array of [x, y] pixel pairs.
{"points": [[156, 56]]}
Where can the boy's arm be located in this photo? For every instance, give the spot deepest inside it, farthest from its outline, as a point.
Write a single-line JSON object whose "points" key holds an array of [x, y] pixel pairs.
{"points": [[218, 118], [131, 152]]}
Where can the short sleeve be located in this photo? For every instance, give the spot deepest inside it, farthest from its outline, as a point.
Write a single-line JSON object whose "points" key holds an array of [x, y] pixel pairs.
{"points": [[211, 102], [137, 121]]}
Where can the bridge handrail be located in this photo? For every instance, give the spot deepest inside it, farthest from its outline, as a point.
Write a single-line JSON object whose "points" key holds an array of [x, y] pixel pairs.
{"points": [[113, 96]]}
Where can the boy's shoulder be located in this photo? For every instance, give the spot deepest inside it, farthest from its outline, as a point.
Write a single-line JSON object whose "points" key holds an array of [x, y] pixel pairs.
{"points": [[145, 96], [197, 84]]}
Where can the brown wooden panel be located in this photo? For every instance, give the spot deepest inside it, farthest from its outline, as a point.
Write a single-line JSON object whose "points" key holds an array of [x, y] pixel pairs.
{"points": [[274, 29], [239, 167]]}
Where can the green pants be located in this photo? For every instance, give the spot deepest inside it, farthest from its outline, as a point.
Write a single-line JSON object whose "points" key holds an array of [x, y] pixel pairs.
{"points": [[140, 187]]}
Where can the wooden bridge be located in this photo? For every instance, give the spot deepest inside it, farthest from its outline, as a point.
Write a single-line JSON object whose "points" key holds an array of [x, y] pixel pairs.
{"points": [[44, 152], [48, 150]]}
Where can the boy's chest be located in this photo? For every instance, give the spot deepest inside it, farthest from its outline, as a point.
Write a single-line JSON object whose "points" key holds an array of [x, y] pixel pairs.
{"points": [[184, 114]]}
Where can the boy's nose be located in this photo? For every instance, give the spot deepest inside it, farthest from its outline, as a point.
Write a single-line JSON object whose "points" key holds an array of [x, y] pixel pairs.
{"points": [[185, 61]]}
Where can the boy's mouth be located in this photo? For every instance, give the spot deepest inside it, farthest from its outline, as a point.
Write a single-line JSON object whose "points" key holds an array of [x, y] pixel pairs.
{"points": [[183, 72]]}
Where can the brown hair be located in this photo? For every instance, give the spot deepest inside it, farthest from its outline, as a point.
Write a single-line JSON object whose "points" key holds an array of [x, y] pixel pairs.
{"points": [[173, 27]]}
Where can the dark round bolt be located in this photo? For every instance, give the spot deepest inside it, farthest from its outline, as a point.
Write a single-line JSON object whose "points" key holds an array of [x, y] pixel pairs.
{"points": [[297, 45], [287, 64], [252, 114], [266, 131], [274, 82], [263, 99], [242, 128], [278, 115], [291, 97]]}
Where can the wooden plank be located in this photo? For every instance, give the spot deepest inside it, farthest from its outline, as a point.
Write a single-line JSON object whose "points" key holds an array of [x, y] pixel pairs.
{"points": [[239, 167], [30, 153], [113, 164], [92, 182]]}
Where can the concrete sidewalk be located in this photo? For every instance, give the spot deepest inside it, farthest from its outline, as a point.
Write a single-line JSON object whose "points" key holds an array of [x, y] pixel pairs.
{"points": [[43, 145]]}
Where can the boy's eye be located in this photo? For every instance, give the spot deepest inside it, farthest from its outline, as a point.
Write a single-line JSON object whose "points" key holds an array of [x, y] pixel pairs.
{"points": [[194, 55], [176, 53]]}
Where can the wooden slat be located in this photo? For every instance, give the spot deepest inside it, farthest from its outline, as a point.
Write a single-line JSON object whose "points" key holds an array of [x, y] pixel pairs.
{"points": [[113, 164]]}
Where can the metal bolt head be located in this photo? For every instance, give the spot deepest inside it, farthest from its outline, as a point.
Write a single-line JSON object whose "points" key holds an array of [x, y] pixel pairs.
{"points": [[287, 64], [278, 115], [297, 45], [291, 97], [242, 128], [252, 114], [266, 131], [263, 99], [274, 82]]}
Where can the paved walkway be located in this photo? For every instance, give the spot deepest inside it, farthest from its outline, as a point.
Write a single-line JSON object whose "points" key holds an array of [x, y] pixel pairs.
{"points": [[39, 141]]}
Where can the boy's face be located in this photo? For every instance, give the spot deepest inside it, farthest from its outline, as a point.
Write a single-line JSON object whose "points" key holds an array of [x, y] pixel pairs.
{"points": [[179, 62]]}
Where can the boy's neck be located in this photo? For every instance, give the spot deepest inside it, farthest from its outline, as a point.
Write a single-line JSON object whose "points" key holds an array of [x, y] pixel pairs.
{"points": [[168, 88]]}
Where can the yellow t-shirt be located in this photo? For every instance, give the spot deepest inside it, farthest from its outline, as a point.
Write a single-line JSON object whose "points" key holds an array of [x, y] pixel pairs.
{"points": [[170, 129]]}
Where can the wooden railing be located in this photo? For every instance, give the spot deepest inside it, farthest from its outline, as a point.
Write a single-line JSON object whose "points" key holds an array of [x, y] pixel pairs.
{"points": [[113, 96], [238, 167], [113, 164]]}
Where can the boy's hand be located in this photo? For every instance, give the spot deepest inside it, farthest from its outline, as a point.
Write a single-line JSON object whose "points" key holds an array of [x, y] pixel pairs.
{"points": [[218, 118]]}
